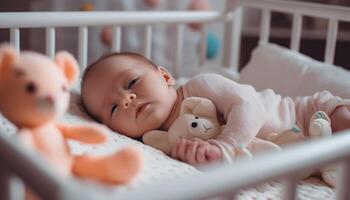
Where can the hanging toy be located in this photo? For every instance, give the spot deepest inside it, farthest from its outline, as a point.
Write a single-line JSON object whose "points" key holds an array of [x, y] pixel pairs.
{"points": [[213, 45], [87, 7]]}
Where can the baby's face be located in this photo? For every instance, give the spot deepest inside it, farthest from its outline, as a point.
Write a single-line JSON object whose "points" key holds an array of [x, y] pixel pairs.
{"points": [[128, 95]]}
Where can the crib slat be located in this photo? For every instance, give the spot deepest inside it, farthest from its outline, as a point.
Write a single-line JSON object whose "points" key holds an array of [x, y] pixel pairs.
{"points": [[15, 39], [116, 38], [296, 32], [290, 188], [83, 46], [50, 42], [232, 40], [343, 185], [147, 41], [331, 40], [265, 26], [179, 50], [203, 47]]}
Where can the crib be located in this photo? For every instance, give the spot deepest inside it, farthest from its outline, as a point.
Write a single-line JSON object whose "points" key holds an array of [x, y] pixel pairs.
{"points": [[19, 166]]}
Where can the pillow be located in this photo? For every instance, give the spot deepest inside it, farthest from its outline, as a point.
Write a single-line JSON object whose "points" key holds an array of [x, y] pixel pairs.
{"points": [[292, 74]]}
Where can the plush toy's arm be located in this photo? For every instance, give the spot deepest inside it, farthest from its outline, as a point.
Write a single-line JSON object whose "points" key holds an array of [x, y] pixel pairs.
{"points": [[91, 133], [158, 139]]}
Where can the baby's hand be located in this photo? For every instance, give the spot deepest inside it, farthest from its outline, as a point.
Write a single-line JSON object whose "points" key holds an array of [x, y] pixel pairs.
{"points": [[195, 151]]}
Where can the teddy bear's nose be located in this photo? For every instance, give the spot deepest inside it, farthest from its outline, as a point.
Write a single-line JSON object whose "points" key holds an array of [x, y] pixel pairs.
{"points": [[50, 99], [194, 124]]}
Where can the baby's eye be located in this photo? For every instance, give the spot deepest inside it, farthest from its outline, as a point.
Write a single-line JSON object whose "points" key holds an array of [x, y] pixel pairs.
{"points": [[114, 107], [132, 82]]}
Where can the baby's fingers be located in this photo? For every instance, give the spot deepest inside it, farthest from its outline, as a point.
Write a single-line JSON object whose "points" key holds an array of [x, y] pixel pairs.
{"points": [[191, 152], [176, 149], [200, 156], [181, 151], [174, 152], [213, 154]]}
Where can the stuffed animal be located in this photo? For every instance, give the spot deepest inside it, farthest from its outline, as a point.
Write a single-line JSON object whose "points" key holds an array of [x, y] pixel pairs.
{"points": [[320, 127], [198, 119], [34, 92]]}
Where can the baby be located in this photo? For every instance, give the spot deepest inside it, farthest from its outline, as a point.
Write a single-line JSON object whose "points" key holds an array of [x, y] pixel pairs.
{"points": [[131, 95]]}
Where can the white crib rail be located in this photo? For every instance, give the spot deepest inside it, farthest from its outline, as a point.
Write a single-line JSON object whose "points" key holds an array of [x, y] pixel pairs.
{"points": [[51, 20], [229, 179], [298, 9]]}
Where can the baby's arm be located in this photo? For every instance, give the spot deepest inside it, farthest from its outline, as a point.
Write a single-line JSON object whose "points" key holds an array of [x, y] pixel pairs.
{"points": [[240, 106]]}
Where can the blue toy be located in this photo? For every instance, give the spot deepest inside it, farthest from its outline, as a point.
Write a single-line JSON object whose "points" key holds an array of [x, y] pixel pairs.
{"points": [[213, 45]]}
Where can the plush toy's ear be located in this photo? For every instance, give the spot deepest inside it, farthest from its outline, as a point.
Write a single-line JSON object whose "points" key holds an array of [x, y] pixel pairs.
{"points": [[198, 106], [167, 76], [8, 55], [69, 66]]}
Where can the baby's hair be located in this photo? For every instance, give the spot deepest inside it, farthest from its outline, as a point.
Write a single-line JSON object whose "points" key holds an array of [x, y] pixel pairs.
{"points": [[116, 54], [103, 57]]}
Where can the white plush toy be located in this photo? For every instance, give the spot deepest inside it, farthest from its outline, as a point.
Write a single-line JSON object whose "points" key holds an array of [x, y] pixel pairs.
{"points": [[198, 119], [320, 127]]}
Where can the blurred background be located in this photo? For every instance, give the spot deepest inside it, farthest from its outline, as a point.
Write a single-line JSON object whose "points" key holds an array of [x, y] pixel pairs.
{"points": [[312, 44]]}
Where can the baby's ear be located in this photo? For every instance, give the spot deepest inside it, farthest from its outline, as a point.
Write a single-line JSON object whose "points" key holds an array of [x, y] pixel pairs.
{"points": [[167, 76], [8, 55], [69, 66]]}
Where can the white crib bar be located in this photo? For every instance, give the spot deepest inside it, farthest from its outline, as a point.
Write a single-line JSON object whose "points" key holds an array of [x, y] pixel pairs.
{"points": [[223, 179], [50, 42], [116, 38], [147, 42], [331, 40], [290, 188], [83, 46], [265, 26], [203, 47], [232, 39], [236, 38], [305, 8], [179, 50], [343, 190], [14, 37], [296, 32], [95, 18]]}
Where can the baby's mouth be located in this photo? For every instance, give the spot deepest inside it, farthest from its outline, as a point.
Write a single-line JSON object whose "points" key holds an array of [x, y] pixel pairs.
{"points": [[140, 108]]}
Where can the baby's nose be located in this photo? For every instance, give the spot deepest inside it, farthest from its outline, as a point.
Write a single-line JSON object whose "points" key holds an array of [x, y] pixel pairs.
{"points": [[128, 100]]}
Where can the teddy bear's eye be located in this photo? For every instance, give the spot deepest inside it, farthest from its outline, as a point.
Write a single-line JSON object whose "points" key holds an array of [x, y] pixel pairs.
{"points": [[31, 88], [64, 88], [196, 117]]}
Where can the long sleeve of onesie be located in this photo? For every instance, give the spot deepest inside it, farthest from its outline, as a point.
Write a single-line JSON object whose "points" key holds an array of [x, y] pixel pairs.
{"points": [[247, 112]]}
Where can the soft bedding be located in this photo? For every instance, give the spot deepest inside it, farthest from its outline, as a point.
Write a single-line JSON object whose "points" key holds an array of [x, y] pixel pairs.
{"points": [[160, 168]]}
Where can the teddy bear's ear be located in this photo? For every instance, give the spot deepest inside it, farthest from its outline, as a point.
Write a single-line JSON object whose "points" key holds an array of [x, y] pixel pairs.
{"points": [[69, 66], [198, 106], [8, 55]]}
